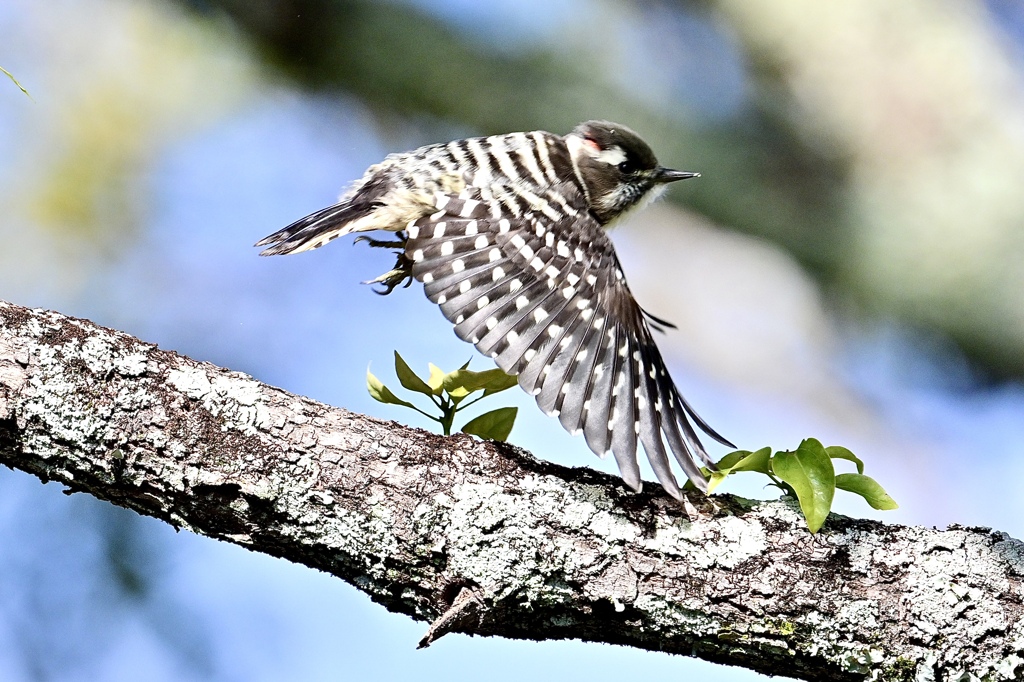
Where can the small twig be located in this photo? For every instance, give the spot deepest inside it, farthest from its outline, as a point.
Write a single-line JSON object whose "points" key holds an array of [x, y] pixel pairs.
{"points": [[462, 616]]}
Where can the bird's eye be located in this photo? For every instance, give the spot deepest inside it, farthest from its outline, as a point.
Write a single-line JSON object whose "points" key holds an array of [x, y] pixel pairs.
{"points": [[626, 167]]}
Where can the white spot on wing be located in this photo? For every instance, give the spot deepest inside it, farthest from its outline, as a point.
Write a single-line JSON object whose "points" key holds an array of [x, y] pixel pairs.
{"points": [[458, 265], [447, 248]]}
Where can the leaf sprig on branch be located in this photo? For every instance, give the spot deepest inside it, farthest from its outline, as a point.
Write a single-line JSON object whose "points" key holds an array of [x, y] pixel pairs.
{"points": [[449, 391], [808, 475]]}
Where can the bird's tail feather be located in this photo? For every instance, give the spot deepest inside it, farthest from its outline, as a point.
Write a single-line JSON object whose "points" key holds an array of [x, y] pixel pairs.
{"points": [[316, 229]]}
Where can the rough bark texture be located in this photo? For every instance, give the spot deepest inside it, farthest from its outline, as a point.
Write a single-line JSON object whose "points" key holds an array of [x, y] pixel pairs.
{"points": [[522, 548]]}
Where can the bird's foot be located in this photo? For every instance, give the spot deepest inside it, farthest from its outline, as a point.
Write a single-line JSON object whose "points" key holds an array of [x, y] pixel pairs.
{"points": [[391, 279], [402, 271]]}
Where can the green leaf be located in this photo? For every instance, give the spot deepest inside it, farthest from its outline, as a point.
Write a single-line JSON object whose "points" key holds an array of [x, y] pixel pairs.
{"points": [[716, 480], [740, 460], [726, 462], [808, 470], [839, 452], [868, 488], [454, 382], [496, 381], [759, 460], [462, 382], [493, 425], [436, 379], [382, 393], [409, 379]]}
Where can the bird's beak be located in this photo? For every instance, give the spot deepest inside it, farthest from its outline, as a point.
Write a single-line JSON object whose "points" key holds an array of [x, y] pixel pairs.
{"points": [[665, 175]]}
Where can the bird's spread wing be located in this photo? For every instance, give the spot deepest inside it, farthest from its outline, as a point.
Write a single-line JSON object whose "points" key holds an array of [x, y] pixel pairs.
{"points": [[543, 294]]}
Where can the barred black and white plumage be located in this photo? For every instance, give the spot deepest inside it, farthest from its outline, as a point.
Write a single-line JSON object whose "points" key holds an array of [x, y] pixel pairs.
{"points": [[507, 234]]}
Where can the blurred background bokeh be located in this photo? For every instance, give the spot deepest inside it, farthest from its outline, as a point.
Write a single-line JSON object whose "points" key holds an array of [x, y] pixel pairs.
{"points": [[850, 266]]}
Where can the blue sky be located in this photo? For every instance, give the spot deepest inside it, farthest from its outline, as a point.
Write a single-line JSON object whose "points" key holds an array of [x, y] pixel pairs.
{"points": [[187, 278]]}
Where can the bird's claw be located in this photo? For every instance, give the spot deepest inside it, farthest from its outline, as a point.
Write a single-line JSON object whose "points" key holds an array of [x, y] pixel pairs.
{"points": [[391, 279], [381, 243], [402, 271]]}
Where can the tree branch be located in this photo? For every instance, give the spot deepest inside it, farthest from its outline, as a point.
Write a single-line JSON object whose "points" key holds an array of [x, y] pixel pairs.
{"points": [[482, 538]]}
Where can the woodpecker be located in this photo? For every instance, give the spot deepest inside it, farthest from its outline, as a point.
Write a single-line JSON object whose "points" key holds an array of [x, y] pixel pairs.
{"points": [[508, 236]]}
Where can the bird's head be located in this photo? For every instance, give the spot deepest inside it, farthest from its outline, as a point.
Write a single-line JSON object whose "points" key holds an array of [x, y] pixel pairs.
{"points": [[617, 168]]}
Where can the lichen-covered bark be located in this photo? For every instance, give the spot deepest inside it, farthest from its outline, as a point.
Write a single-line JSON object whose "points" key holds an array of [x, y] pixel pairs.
{"points": [[526, 549]]}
